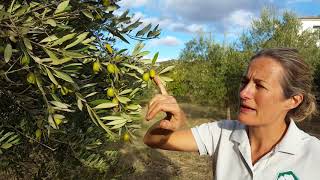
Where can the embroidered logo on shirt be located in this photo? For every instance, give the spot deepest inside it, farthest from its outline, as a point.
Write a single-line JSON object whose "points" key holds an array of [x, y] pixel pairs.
{"points": [[289, 175]]}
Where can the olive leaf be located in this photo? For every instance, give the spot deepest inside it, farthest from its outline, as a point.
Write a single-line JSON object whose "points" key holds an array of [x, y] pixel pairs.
{"points": [[51, 77], [51, 22], [63, 39], [27, 43], [88, 14], [155, 57], [8, 53], [111, 118], [49, 39], [169, 68], [105, 106], [61, 7], [80, 38], [63, 76]]}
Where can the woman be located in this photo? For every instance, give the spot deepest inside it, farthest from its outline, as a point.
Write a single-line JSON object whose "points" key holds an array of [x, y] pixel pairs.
{"points": [[264, 142]]}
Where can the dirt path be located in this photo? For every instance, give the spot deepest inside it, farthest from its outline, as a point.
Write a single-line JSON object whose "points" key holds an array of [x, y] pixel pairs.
{"points": [[157, 164], [154, 164]]}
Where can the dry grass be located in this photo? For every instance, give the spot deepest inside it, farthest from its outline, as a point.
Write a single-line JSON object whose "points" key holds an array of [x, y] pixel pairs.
{"points": [[154, 164], [157, 164]]}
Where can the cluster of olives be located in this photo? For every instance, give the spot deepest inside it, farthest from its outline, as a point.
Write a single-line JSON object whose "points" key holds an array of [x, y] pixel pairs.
{"points": [[147, 75], [96, 67]]}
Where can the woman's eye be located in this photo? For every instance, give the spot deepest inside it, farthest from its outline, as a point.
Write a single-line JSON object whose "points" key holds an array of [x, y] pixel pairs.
{"points": [[244, 81], [259, 86]]}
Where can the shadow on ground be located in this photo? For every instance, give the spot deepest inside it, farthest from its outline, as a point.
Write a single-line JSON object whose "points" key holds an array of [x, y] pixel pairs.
{"points": [[147, 164], [197, 111], [154, 164]]}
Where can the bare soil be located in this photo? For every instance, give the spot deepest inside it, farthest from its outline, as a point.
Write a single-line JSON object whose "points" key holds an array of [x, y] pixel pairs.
{"points": [[156, 164]]}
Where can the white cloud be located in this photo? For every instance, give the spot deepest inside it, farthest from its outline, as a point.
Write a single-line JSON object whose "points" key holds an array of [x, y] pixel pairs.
{"points": [[298, 1], [154, 20], [214, 15], [164, 59], [160, 59], [131, 3], [137, 15], [240, 18], [192, 28], [166, 41], [235, 23], [168, 23], [193, 16], [209, 10]]}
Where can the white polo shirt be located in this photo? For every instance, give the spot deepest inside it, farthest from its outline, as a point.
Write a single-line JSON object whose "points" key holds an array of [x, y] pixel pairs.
{"points": [[296, 156]]}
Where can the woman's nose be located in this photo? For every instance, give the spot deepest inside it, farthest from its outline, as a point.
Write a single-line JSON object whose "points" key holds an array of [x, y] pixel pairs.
{"points": [[246, 91]]}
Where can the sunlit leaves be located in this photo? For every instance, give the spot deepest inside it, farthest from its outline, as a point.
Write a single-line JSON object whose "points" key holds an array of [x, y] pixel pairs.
{"points": [[57, 42], [27, 43], [80, 38], [144, 30], [169, 68], [49, 39], [8, 139], [63, 39], [51, 77], [63, 76], [105, 105], [61, 7], [8, 53], [108, 47], [123, 100], [51, 22], [138, 69], [88, 14], [155, 57]]}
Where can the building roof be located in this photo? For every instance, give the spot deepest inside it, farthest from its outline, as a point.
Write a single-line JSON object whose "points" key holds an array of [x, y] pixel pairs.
{"points": [[310, 17]]}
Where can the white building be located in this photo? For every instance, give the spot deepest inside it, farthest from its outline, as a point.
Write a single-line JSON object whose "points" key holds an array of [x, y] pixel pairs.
{"points": [[311, 23]]}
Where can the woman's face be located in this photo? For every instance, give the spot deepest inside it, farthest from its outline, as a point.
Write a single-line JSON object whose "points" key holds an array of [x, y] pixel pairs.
{"points": [[261, 96]]}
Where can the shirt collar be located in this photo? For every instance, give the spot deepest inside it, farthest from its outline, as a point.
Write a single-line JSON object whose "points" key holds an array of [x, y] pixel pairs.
{"points": [[239, 134], [292, 140], [290, 143]]}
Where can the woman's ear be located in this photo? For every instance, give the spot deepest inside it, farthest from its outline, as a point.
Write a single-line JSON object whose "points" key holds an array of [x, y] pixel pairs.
{"points": [[295, 101]]}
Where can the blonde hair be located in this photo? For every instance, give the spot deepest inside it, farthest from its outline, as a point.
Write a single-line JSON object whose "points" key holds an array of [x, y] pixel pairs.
{"points": [[297, 79]]}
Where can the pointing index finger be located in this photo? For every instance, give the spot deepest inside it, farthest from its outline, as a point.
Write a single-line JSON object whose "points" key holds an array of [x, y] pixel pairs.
{"points": [[160, 85]]}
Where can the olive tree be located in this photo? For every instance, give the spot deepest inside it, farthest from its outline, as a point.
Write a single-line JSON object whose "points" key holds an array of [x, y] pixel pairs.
{"points": [[63, 85]]}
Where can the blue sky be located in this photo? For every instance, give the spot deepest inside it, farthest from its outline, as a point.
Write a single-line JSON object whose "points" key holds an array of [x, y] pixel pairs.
{"points": [[183, 20]]}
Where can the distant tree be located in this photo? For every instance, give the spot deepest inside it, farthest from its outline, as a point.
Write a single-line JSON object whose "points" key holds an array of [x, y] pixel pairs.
{"points": [[195, 49], [216, 80]]}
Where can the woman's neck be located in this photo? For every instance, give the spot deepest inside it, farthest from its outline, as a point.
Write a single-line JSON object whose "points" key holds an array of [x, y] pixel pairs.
{"points": [[264, 138]]}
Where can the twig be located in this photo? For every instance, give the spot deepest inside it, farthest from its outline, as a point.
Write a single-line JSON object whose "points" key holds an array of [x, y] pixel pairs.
{"points": [[52, 149], [9, 72]]}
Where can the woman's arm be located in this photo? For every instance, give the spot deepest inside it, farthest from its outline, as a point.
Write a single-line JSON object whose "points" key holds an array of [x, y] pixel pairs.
{"points": [[168, 133], [180, 140]]}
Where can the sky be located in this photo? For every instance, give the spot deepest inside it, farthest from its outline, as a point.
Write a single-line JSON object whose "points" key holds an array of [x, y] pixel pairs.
{"points": [[222, 20]]}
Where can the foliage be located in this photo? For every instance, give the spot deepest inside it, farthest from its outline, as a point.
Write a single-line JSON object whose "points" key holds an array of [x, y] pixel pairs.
{"points": [[196, 49], [213, 78], [273, 30], [210, 73], [56, 65]]}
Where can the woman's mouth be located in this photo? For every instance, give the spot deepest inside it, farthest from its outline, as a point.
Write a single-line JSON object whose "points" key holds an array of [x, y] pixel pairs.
{"points": [[245, 108]]}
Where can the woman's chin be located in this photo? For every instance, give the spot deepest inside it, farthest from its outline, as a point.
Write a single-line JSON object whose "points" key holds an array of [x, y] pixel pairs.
{"points": [[246, 119]]}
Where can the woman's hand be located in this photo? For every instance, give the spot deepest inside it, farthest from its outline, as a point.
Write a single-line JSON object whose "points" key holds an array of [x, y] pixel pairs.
{"points": [[175, 118], [167, 133]]}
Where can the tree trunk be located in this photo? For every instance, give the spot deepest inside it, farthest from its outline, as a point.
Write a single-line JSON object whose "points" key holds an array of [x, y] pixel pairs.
{"points": [[228, 113]]}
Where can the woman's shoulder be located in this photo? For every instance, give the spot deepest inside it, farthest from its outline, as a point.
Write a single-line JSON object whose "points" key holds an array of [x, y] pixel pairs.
{"points": [[312, 142], [230, 124], [225, 125]]}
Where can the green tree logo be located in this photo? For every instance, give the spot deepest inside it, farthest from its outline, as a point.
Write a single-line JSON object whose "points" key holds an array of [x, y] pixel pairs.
{"points": [[289, 175]]}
